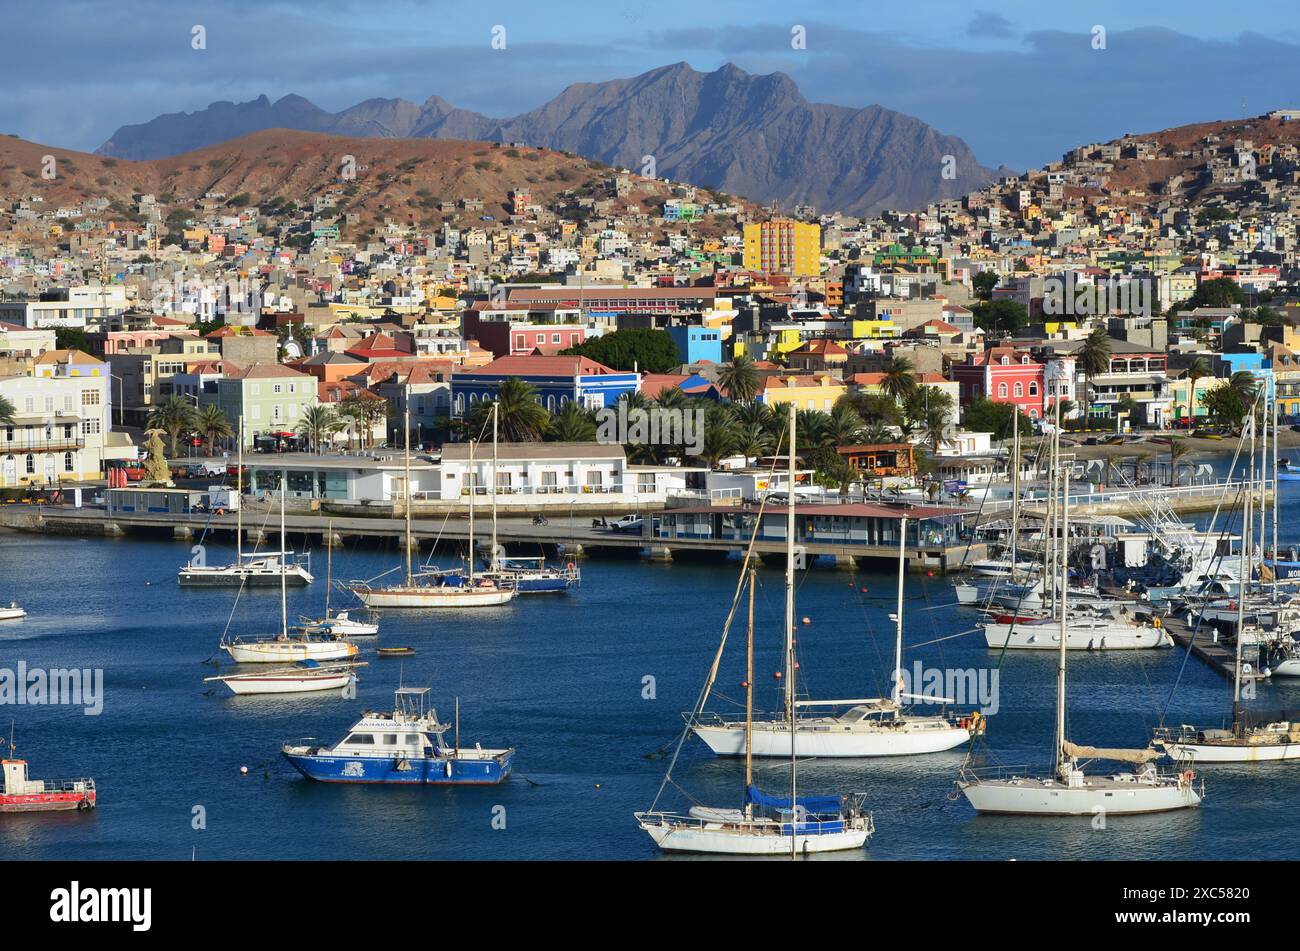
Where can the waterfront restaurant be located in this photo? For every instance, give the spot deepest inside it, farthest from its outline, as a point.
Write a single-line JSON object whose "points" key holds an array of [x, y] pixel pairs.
{"points": [[368, 478], [869, 524]]}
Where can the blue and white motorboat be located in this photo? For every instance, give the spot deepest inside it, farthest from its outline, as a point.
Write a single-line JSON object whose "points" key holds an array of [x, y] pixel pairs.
{"points": [[533, 575], [408, 745]]}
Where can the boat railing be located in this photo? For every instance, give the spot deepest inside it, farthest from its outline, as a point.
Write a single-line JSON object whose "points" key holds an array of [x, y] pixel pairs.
{"points": [[979, 773], [85, 784]]}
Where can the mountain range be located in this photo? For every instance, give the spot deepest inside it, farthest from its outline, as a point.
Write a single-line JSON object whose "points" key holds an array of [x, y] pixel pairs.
{"points": [[729, 130]]}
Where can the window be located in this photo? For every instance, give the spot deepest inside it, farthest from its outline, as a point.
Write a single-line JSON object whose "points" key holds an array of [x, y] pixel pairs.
{"points": [[1033, 389], [31, 464], [1002, 390], [67, 462], [1020, 389], [362, 739]]}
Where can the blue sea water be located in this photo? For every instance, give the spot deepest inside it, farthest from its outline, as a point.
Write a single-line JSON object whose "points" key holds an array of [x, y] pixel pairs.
{"points": [[563, 679]]}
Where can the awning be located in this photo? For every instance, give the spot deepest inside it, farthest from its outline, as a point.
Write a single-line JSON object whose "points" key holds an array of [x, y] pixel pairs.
{"points": [[1121, 756]]}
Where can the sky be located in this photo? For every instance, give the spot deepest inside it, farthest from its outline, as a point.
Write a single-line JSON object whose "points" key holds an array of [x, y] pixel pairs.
{"points": [[1021, 82]]}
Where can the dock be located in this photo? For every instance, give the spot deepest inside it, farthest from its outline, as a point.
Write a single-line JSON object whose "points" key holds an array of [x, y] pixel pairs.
{"points": [[1204, 647]]}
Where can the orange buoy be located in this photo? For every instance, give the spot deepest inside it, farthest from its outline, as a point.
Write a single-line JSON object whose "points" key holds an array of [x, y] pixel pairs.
{"points": [[807, 620]]}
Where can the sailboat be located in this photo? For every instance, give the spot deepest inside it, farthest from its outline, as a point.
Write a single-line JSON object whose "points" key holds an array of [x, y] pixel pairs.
{"points": [[1254, 736], [764, 825], [338, 622], [871, 727], [306, 676], [251, 569], [437, 589], [12, 612], [288, 646], [1069, 791]]}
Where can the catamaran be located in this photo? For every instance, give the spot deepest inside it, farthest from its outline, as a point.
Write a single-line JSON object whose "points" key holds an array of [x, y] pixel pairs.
{"points": [[871, 727], [251, 569], [1068, 790], [406, 746], [764, 825], [438, 589], [288, 646]]}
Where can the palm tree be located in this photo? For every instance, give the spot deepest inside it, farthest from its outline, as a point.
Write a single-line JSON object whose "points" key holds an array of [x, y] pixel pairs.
{"points": [[1094, 358], [8, 412], [212, 424], [572, 424], [899, 380], [1244, 382], [934, 428], [318, 421], [520, 417], [739, 379], [845, 427], [753, 440], [1178, 448], [351, 415], [174, 415]]}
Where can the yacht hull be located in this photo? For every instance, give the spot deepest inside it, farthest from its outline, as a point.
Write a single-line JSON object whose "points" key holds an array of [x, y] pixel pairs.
{"points": [[235, 577], [467, 769], [287, 652], [447, 596], [1047, 636], [722, 840], [287, 683], [1039, 796], [728, 739], [1233, 753]]}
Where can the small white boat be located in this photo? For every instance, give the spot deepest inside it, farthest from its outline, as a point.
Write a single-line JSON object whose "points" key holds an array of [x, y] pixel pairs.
{"points": [[12, 612], [1003, 568], [342, 624], [304, 677]]}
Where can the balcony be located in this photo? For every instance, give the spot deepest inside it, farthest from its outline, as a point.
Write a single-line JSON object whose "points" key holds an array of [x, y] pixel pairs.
{"points": [[21, 446]]}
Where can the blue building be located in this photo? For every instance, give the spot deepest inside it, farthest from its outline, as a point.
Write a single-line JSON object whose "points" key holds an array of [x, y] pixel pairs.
{"points": [[696, 344], [558, 380]]}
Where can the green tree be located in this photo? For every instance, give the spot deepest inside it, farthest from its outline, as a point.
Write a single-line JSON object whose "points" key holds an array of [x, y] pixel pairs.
{"points": [[520, 416], [739, 379], [899, 380], [318, 422], [985, 416], [1178, 448], [1001, 315], [1219, 292], [8, 412], [71, 338], [1226, 406], [572, 424], [175, 415], [1093, 358], [212, 424], [983, 283], [650, 351]]}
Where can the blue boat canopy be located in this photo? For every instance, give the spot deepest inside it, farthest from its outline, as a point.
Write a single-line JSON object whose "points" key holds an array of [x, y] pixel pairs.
{"points": [[820, 805], [308, 663]]}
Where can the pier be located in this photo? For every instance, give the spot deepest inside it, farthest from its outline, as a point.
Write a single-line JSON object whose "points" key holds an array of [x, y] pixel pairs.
{"points": [[1206, 648]]}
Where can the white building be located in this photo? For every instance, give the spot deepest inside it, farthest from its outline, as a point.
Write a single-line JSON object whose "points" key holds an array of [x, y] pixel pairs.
{"points": [[60, 430]]}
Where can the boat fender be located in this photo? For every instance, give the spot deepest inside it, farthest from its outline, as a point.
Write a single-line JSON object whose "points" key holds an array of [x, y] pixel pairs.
{"points": [[1187, 777], [1155, 622], [570, 566], [447, 768], [84, 804]]}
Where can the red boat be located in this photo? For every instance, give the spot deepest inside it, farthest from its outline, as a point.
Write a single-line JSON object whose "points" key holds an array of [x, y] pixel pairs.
{"points": [[34, 795]]}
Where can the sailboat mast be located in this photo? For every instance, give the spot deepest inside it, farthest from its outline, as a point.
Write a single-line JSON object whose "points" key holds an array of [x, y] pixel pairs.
{"points": [[1248, 549], [493, 478], [789, 637], [329, 565], [239, 503], [406, 477], [1243, 571], [1065, 583], [898, 616], [749, 689], [1015, 494], [473, 487], [1276, 495], [1262, 540], [284, 585]]}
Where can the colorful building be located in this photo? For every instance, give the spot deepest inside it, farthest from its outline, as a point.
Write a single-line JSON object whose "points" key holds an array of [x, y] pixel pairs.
{"points": [[782, 246], [1004, 375]]}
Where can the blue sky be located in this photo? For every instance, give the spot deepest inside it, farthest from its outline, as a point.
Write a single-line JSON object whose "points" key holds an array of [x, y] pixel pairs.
{"points": [[1019, 81]]}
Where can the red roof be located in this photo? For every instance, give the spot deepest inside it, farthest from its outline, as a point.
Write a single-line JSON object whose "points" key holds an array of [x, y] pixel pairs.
{"points": [[534, 365]]}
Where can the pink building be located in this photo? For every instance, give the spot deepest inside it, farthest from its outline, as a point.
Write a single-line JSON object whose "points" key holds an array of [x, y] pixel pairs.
{"points": [[1004, 375]]}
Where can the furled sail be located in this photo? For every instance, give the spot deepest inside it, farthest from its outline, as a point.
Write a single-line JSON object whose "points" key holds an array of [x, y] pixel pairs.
{"points": [[1118, 755]]}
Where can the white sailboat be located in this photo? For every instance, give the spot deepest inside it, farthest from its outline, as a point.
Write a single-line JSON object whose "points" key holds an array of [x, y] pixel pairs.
{"points": [[304, 677], [288, 646], [878, 726], [764, 825], [12, 612], [1068, 790], [338, 622], [435, 589], [1253, 736], [250, 569]]}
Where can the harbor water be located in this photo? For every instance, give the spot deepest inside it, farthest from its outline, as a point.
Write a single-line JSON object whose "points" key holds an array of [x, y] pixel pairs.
{"points": [[590, 688]]}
